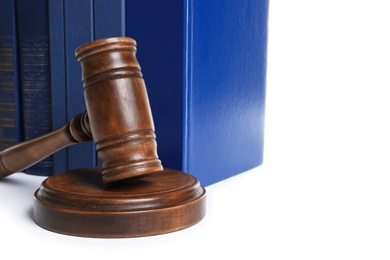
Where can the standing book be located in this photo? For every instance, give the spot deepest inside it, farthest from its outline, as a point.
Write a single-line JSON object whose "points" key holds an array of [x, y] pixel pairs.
{"points": [[79, 29], [109, 21], [10, 106], [34, 60], [58, 77], [204, 64], [109, 18], [157, 26]]}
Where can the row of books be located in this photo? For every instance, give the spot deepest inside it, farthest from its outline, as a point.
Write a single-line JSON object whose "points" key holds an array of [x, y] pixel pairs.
{"points": [[204, 64], [41, 87]]}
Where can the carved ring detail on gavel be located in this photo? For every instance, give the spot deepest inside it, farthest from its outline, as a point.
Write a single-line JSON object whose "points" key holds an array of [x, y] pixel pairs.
{"points": [[118, 108], [23, 155]]}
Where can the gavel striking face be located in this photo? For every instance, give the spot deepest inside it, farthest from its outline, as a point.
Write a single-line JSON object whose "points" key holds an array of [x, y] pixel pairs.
{"points": [[118, 117]]}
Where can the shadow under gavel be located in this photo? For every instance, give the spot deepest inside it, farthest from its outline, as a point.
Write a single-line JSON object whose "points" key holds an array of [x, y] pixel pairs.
{"points": [[23, 155]]}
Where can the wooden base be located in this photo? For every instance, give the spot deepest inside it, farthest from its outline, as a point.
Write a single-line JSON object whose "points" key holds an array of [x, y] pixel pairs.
{"points": [[77, 203]]}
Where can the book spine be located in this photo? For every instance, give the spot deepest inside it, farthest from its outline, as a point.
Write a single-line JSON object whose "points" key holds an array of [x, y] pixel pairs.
{"points": [[57, 76], [33, 36], [109, 18], [109, 21], [10, 110], [79, 29], [157, 26]]}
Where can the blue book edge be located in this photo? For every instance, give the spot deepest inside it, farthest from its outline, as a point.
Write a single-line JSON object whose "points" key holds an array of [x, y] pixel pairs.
{"points": [[58, 78], [109, 21], [79, 29]]}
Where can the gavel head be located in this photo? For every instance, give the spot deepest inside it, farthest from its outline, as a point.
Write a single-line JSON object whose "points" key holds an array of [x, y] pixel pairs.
{"points": [[118, 108]]}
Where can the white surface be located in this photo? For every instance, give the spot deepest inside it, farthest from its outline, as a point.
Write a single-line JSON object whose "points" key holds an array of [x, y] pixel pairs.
{"points": [[324, 189]]}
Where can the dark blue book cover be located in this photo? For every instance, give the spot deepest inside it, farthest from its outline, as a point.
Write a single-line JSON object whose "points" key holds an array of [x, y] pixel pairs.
{"points": [[109, 21], [79, 29], [204, 65], [34, 64], [58, 77], [109, 18], [10, 107], [157, 26]]}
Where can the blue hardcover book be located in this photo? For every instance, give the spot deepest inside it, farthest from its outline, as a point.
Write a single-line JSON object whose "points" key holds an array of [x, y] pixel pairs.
{"points": [[157, 26], [109, 18], [79, 30], [58, 77], [224, 87], [34, 60], [10, 110], [109, 21], [204, 64]]}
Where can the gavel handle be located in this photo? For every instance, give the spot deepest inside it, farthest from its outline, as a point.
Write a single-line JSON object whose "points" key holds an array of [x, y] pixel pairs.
{"points": [[26, 154]]}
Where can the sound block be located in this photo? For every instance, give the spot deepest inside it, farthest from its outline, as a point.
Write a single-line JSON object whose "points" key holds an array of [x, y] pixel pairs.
{"points": [[77, 203]]}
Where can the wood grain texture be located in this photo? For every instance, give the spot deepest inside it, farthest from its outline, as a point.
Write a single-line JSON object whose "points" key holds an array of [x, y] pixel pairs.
{"points": [[77, 203], [118, 107]]}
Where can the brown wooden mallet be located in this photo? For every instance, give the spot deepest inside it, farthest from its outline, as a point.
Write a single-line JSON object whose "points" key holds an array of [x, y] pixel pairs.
{"points": [[131, 194], [23, 155]]}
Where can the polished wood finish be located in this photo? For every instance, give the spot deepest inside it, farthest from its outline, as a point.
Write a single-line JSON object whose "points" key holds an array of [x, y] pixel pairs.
{"points": [[118, 107], [77, 203], [131, 194], [23, 155]]}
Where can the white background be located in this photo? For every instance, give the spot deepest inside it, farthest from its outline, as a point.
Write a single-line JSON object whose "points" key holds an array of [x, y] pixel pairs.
{"points": [[323, 191]]}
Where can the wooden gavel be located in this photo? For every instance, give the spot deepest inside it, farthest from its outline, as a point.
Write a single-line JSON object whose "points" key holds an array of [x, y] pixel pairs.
{"points": [[119, 120], [118, 117]]}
